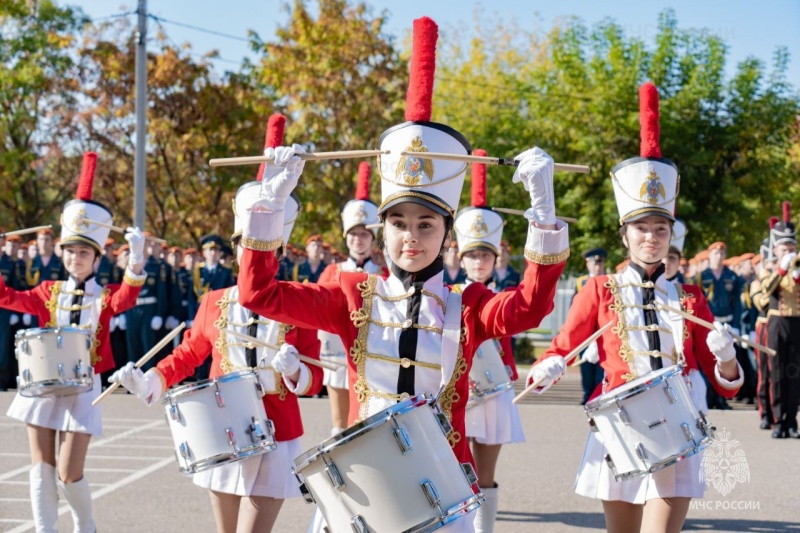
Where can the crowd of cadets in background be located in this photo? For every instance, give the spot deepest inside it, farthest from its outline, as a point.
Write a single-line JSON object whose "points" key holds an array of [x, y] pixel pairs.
{"points": [[177, 278]]}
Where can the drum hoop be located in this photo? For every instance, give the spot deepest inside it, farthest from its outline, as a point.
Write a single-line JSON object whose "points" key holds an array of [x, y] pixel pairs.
{"points": [[460, 509], [225, 458], [705, 442], [611, 398], [73, 386], [189, 387], [478, 397], [356, 430], [35, 332]]}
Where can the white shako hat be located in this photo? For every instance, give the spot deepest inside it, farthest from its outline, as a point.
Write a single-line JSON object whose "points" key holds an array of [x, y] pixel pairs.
{"points": [[360, 211], [646, 185], [436, 184], [478, 226], [76, 225], [783, 231], [249, 193], [679, 232]]}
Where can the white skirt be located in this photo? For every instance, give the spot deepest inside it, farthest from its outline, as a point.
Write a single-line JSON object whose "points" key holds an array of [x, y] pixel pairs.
{"points": [[268, 474], [464, 524], [62, 413], [335, 378], [681, 480], [495, 421]]}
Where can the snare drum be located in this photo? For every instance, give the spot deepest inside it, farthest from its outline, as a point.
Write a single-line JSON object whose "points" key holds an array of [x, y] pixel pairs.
{"points": [[394, 471], [54, 361], [488, 376], [218, 421], [649, 423]]}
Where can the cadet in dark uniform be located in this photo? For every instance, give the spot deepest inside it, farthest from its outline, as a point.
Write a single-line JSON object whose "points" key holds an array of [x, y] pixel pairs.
{"points": [[591, 371], [504, 275], [312, 268], [46, 266], [145, 320], [9, 268], [107, 270], [453, 273], [119, 323], [723, 290]]}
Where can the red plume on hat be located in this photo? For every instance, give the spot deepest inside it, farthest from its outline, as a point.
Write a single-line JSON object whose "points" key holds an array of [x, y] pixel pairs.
{"points": [[86, 182], [362, 185], [273, 138], [478, 181], [772, 222], [419, 98], [650, 129], [787, 215]]}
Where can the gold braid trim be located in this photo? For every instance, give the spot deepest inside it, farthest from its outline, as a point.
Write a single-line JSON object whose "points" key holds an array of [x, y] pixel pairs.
{"points": [[93, 357], [546, 259], [200, 290], [52, 303], [359, 349], [262, 246], [621, 329], [221, 324], [683, 296], [408, 295], [33, 280], [134, 282], [403, 361], [449, 395]]}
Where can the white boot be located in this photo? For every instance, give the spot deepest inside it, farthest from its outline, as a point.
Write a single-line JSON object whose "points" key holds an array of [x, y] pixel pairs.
{"points": [[44, 497], [79, 497], [487, 513], [335, 431]]}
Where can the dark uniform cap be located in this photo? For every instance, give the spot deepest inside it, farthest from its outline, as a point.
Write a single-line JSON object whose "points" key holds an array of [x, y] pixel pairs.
{"points": [[595, 254], [212, 241]]}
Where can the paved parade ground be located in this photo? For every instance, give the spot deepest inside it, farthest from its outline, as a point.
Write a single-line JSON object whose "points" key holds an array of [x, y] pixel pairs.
{"points": [[137, 487]]}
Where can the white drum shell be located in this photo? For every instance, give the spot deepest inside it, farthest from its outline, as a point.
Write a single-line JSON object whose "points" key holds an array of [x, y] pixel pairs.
{"points": [[665, 426], [382, 484], [199, 425], [488, 375], [54, 361]]}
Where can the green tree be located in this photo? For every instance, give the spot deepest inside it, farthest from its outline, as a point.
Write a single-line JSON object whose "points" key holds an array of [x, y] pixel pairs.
{"points": [[342, 83]]}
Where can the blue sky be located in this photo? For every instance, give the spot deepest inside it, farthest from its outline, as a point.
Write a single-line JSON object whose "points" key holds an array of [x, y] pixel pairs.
{"points": [[750, 28]]}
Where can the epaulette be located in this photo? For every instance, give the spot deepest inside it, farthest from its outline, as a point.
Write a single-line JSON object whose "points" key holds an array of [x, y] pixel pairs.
{"points": [[580, 282]]}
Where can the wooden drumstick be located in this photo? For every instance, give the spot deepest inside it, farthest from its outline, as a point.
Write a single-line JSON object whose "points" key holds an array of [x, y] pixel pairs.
{"points": [[564, 167], [317, 156], [709, 325], [569, 357], [120, 230], [308, 360], [142, 360], [520, 212], [26, 230]]}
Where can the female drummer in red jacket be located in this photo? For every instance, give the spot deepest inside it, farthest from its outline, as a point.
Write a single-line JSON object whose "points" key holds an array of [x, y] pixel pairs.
{"points": [[644, 338], [78, 302]]}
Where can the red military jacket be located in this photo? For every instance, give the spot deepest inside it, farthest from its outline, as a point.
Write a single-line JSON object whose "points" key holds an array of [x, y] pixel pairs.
{"points": [[50, 298], [595, 305], [203, 339], [337, 307]]}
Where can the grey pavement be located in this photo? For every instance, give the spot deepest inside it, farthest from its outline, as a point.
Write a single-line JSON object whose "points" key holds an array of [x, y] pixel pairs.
{"points": [[137, 487]]}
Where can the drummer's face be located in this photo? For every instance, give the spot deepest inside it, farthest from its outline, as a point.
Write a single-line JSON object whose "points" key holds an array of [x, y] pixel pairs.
{"points": [[648, 240], [414, 235], [79, 260]]}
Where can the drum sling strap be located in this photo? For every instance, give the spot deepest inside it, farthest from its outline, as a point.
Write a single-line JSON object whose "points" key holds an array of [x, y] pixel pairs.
{"points": [[451, 336]]}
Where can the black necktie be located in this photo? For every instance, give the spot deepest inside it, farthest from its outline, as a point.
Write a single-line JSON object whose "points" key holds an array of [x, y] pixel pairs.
{"points": [[252, 330], [651, 318], [77, 302]]}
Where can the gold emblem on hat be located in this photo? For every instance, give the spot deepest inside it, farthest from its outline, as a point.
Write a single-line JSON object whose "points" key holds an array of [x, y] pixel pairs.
{"points": [[652, 189], [478, 228], [361, 214], [411, 169], [79, 221]]}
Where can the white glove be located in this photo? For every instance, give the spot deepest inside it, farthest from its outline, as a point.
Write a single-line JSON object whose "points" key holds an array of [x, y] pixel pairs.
{"points": [[280, 177], [286, 361], [27, 319], [112, 324], [720, 343], [146, 387], [136, 242], [122, 322], [786, 261], [13, 320], [172, 323], [546, 373], [592, 354], [156, 322], [535, 171]]}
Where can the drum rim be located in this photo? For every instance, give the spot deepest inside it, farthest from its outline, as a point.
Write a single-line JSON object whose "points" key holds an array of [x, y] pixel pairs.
{"points": [[75, 386], [462, 508], [368, 424], [189, 387], [611, 397], [705, 442], [226, 458], [33, 332], [476, 398]]}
